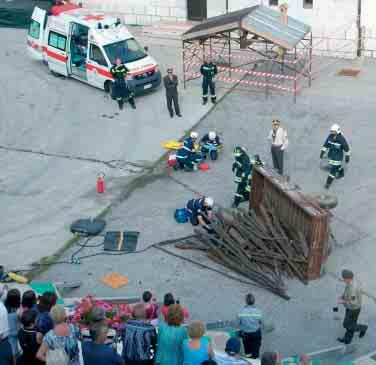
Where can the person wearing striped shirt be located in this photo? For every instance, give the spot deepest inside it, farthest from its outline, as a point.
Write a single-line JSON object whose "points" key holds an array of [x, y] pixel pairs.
{"points": [[250, 321]]}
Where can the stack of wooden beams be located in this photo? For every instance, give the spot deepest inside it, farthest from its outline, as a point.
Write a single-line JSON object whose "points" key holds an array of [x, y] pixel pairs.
{"points": [[257, 246]]}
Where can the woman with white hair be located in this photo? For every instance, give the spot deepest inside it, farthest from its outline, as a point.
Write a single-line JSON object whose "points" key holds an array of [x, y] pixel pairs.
{"points": [[60, 345]]}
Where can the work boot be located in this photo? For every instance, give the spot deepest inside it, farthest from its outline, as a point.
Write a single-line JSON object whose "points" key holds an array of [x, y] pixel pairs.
{"points": [[179, 115], [341, 173], [329, 181], [362, 333], [133, 104], [171, 115], [204, 100], [237, 201], [121, 104], [214, 99]]}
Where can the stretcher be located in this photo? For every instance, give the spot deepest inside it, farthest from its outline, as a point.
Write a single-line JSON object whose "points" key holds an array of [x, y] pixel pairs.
{"points": [[175, 145]]}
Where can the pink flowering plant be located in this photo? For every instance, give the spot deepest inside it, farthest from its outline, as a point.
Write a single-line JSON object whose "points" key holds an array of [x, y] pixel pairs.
{"points": [[115, 314]]}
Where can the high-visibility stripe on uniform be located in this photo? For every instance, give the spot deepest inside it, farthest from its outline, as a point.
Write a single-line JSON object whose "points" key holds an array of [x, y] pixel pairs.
{"points": [[335, 163], [249, 315]]}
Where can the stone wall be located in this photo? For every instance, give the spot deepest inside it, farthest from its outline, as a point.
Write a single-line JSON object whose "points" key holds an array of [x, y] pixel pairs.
{"points": [[141, 12]]}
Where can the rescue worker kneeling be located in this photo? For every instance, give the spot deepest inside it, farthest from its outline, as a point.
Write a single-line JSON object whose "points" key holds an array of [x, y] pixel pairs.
{"points": [[187, 158], [120, 88], [210, 144], [200, 212]]}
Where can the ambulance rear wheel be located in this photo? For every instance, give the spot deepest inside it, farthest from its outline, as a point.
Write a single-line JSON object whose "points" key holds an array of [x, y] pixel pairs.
{"points": [[108, 87]]}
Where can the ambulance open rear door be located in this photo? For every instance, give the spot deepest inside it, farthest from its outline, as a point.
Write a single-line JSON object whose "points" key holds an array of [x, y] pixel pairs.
{"points": [[57, 56], [36, 33]]}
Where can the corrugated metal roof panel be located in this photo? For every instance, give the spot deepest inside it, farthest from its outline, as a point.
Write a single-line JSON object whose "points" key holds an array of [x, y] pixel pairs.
{"points": [[260, 20], [219, 21], [266, 23]]}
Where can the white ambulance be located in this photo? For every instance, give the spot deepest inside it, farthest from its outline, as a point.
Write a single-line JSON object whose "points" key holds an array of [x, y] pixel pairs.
{"points": [[78, 43]]}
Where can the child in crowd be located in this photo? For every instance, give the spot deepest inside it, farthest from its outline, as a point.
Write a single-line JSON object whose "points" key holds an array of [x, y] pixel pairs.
{"points": [[151, 306], [169, 300]]}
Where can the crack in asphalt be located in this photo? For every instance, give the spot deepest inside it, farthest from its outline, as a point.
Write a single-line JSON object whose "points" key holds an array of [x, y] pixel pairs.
{"points": [[138, 168]]}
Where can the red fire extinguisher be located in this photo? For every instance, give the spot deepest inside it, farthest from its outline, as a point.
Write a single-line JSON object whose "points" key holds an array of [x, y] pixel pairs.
{"points": [[100, 183]]}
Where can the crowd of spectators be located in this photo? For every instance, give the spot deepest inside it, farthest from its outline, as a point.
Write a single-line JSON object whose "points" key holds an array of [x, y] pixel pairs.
{"points": [[35, 331]]}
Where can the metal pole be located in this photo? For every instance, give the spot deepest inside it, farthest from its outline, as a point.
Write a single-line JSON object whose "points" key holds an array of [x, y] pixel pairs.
{"points": [[310, 61], [226, 6], [359, 25], [229, 54], [183, 54], [295, 84], [266, 77]]}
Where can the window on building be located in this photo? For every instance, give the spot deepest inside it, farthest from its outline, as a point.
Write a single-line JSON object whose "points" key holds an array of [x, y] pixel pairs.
{"points": [[97, 56], [273, 2], [57, 40], [307, 4]]}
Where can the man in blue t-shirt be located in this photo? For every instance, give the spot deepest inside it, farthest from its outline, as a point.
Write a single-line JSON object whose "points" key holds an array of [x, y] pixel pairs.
{"points": [[97, 352]]}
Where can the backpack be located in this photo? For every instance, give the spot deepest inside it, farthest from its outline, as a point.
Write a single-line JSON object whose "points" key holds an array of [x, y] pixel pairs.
{"points": [[181, 215], [57, 356]]}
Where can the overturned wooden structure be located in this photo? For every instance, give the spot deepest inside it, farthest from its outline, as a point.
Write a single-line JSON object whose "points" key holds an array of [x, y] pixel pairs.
{"points": [[295, 211], [282, 235]]}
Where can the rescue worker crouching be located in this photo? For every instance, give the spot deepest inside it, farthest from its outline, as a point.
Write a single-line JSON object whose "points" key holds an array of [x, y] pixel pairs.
{"points": [[208, 71], [209, 145], [242, 169], [187, 157], [200, 212], [336, 147], [120, 88]]}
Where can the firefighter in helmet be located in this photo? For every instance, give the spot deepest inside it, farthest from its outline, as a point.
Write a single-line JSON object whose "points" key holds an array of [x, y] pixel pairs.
{"points": [[336, 148], [242, 170]]}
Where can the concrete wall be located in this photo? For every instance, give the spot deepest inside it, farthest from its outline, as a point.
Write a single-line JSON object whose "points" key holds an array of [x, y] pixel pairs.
{"points": [[333, 21], [369, 27], [142, 12]]}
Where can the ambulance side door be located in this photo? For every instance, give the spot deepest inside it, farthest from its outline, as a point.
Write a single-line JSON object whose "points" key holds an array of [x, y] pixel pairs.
{"points": [[97, 66], [35, 33], [57, 57]]}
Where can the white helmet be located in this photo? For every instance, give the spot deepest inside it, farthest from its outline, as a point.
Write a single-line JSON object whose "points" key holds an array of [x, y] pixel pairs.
{"points": [[209, 201], [212, 135], [194, 135], [335, 128]]}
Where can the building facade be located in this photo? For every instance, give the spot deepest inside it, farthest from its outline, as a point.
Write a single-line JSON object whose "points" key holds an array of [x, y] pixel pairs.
{"points": [[334, 23]]}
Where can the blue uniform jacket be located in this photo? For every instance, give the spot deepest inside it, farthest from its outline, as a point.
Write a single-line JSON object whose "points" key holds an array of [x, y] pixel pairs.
{"points": [[336, 146], [208, 70], [196, 206], [187, 150], [205, 140]]}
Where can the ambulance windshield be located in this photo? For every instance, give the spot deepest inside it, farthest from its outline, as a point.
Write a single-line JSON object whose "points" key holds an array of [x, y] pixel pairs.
{"points": [[128, 51]]}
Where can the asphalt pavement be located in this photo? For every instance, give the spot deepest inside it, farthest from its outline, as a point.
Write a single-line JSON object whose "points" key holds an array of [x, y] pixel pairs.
{"points": [[305, 323], [57, 134]]}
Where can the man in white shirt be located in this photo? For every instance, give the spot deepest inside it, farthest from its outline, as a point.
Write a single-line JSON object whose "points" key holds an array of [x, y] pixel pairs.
{"points": [[6, 356], [278, 137]]}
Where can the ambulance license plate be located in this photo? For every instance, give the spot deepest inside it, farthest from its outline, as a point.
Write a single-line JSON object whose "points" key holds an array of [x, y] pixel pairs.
{"points": [[148, 86]]}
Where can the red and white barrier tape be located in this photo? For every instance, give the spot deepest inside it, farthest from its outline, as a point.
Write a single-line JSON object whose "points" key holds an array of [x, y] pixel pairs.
{"points": [[247, 82], [248, 72], [214, 54]]}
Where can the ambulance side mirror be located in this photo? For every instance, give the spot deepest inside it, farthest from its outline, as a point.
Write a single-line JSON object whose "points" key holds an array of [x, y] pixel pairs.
{"points": [[146, 49]]}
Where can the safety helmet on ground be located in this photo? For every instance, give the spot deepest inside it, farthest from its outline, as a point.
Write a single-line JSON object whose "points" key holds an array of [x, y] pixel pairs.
{"points": [[194, 135], [238, 151], [212, 135], [209, 201], [335, 128]]}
